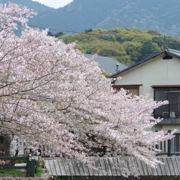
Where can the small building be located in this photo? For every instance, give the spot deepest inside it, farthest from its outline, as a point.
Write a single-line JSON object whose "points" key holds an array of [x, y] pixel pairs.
{"points": [[17, 146]]}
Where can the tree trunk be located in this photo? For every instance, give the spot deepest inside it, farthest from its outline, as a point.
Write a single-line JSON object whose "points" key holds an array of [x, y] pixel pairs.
{"points": [[6, 144]]}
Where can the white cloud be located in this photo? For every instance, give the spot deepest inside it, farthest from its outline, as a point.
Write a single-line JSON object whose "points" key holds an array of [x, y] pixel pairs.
{"points": [[54, 3]]}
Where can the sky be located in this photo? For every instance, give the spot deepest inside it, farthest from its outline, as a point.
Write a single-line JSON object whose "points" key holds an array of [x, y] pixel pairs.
{"points": [[54, 3]]}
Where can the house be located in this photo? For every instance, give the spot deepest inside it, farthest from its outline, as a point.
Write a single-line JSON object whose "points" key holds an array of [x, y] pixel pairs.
{"points": [[160, 77]]}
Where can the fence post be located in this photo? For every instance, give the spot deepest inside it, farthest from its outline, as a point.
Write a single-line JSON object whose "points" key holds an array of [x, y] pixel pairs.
{"points": [[169, 145], [30, 169]]}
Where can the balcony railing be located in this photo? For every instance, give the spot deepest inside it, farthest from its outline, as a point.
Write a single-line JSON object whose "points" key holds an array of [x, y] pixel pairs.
{"points": [[170, 147]]}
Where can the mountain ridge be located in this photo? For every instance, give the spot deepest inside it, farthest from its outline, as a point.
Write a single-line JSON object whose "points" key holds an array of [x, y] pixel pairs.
{"points": [[80, 15]]}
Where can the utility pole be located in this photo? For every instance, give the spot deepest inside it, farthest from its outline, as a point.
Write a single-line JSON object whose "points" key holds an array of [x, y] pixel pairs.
{"points": [[164, 46]]}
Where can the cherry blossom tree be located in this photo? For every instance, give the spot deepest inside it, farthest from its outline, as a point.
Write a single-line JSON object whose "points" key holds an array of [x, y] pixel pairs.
{"points": [[50, 94]]}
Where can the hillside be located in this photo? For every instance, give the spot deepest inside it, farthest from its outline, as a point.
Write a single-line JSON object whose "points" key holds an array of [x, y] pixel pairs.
{"points": [[162, 16], [128, 46], [80, 15]]}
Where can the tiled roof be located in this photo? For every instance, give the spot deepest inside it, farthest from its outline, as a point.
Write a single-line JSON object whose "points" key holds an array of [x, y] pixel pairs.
{"points": [[107, 64], [112, 167], [173, 52]]}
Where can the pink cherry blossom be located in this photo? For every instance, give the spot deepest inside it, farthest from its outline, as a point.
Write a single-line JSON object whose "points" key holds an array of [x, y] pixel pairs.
{"points": [[51, 95]]}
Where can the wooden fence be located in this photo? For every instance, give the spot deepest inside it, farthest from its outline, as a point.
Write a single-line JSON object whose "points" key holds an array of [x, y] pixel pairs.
{"points": [[30, 165], [112, 167]]}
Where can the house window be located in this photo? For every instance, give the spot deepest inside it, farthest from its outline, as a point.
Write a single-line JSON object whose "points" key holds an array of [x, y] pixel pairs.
{"points": [[171, 110], [131, 89]]}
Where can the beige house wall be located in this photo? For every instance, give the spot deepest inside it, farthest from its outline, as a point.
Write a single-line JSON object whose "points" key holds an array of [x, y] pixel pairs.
{"points": [[155, 72]]}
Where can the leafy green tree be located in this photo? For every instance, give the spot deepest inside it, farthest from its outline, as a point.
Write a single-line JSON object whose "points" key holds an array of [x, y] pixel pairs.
{"points": [[88, 30], [133, 49], [149, 48], [123, 44]]}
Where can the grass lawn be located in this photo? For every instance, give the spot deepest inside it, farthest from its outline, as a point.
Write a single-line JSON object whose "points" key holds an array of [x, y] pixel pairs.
{"points": [[39, 172], [12, 173], [22, 172], [19, 173]]}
